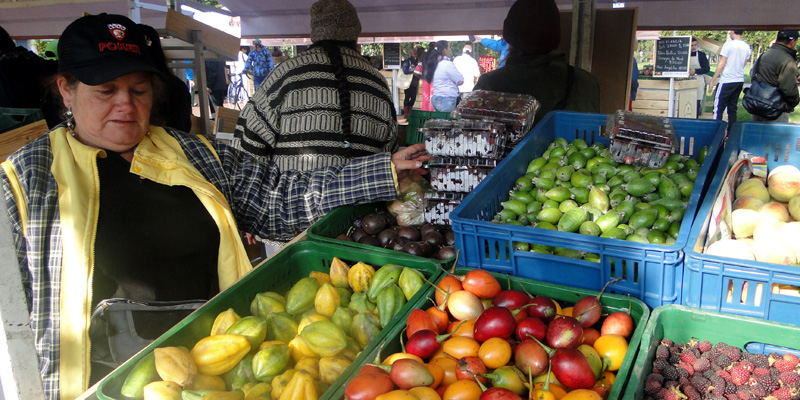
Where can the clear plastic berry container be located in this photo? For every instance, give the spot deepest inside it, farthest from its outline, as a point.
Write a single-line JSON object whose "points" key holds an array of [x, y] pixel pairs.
{"points": [[639, 139], [458, 174], [439, 205], [464, 138], [515, 111]]}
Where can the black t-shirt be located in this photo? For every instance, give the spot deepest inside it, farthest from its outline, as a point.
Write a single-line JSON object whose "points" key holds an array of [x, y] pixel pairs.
{"points": [[154, 242]]}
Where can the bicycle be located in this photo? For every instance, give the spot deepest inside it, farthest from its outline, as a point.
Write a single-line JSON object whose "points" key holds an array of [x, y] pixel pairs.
{"points": [[237, 93]]}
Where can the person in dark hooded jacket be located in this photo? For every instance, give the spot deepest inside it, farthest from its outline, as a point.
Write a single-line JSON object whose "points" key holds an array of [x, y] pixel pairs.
{"points": [[778, 67]]}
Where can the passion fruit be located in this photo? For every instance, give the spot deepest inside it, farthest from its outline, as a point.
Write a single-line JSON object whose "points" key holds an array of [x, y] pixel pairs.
{"points": [[410, 233], [373, 223]]}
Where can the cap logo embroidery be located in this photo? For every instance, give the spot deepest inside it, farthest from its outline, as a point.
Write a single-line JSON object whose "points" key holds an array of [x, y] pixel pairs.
{"points": [[117, 30]]}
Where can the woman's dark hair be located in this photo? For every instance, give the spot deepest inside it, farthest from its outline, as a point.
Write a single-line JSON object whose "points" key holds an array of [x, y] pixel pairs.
{"points": [[432, 57], [332, 49]]}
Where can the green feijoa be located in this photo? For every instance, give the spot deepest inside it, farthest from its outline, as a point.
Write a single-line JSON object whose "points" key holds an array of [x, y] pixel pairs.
{"points": [[564, 173], [522, 196], [569, 253], [551, 215], [536, 164], [656, 237], [592, 163], [581, 180], [615, 181], [598, 199], [592, 257], [594, 213], [641, 206], [615, 199], [557, 152], [546, 154], [615, 233], [505, 215], [548, 174], [558, 193], [551, 165], [514, 222], [623, 169], [643, 218], [668, 189], [546, 225], [544, 183], [572, 220], [670, 241], [691, 163], [608, 221], [643, 232], [626, 228], [618, 190], [686, 190], [567, 185], [567, 205], [599, 180], [580, 144], [675, 157], [561, 142], [661, 224], [625, 210], [550, 204], [604, 169], [639, 186], [670, 204], [589, 228], [515, 206], [672, 166], [522, 246], [648, 197], [533, 216], [701, 155], [678, 178], [580, 194], [570, 151], [539, 195], [654, 177], [677, 214], [531, 175], [534, 206], [636, 238], [524, 220], [542, 249], [598, 146], [523, 183], [576, 160], [628, 176], [674, 229], [589, 153], [692, 174], [663, 212]]}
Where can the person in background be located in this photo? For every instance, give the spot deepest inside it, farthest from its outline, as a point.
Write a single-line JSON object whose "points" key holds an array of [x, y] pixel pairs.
{"points": [[446, 80], [468, 68], [177, 109], [276, 51], [259, 63], [408, 66], [698, 67], [109, 205], [730, 71], [634, 83], [237, 67], [500, 45], [428, 68], [778, 67], [533, 31], [216, 85]]}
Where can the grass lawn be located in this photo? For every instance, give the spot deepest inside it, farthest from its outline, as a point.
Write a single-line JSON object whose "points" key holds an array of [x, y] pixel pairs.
{"points": [[741, 113]]}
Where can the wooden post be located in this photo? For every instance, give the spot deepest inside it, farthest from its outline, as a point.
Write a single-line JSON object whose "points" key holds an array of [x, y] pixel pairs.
{"points": [[583, 14], [200, 82]]}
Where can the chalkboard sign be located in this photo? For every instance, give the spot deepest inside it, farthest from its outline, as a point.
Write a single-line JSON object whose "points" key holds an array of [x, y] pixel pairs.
{"points": [[391, 55], [672, 56]]}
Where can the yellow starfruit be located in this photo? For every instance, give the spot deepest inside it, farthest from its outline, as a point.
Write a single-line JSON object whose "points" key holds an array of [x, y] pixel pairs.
{"points": [[321, 277], [162, 390], [331, 368], [206, 382], [308, 364], [327, 300], [224, 321], [338, 273], [300, 387], [175, 364], [360, 277], [215, 355]]}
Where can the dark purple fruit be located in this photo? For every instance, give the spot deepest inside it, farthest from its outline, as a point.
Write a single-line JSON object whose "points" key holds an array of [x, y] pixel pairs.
{"points": [[370, 240], [387, 237], [450, 238], [373, 223], [409, 232], [428, 228], [412, 248], [434, 238], [357, 235], [427, 249], [446, 253], [389, 218], [344, 237]]}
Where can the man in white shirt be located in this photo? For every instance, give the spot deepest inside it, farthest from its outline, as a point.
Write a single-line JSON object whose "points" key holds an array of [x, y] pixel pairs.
{"points": [[730, 71], [468, 68]]}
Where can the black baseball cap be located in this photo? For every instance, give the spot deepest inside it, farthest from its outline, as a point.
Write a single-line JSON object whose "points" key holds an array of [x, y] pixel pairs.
{"points": [[100, 48], [788, 35]]}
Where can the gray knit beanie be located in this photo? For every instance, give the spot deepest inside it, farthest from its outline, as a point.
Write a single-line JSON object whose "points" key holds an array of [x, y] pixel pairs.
{"points": [[334, 20]]}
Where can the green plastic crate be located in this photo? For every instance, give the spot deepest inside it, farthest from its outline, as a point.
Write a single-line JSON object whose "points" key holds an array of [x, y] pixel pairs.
{"points": [[279, 274], [416, 120], [681, 323], [565, 296], [11, 118]]}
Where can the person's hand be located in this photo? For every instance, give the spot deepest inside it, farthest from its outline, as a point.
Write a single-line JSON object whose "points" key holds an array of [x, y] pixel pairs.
{"points": [[409, 161], [208, 90]]}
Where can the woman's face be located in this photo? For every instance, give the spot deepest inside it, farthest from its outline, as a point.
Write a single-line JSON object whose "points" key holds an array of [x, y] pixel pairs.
{"points": [[113, 116]]}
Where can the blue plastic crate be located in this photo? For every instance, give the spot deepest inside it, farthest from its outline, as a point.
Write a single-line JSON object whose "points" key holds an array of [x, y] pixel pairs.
{"points": [[652, 273], [718, 283]]}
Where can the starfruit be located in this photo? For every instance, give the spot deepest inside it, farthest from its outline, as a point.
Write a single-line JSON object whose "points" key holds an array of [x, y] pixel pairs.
{"points": [[257, 391], [344, 296], [384, 276], [215, 355], [241, 374], [343, 318], [301, 296], [360, 277], [300, 387], [162, 390], [309, 317], [299, 349], [365, 328], [281, 326], [324, 338], [175, 364], [338, 273], [321, 277], [268, 343], [224, 321], [308, 364], [253, 328], [193, 394], [142, 373], [360, 303], [352, 350], [390, 301], [331, 368], [206, 382], [271, 361], [280, 382], [411, 281], [327, 299], [266, 303], [223, 395]]}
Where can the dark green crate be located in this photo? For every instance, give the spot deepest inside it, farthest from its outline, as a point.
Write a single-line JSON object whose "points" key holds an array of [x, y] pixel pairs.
{"points": [[339, 220], [416, 120], [278, 274], [565, 296], [680, 324], [11, 118]]}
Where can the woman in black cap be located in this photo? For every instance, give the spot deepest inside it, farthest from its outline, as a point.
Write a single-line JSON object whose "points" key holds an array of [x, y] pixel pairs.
{"points": [[533, 32], [109, 205]]}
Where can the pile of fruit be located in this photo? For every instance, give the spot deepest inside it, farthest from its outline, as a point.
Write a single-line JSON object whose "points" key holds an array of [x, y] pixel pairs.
{"points": [[291, 347], [477, 341], [574, 187], [702, 370], [380, 229], [765, 219]]}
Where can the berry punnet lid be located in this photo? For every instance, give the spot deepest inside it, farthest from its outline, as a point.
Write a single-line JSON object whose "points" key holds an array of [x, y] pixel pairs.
{"points": [[640, 139], [516, 111]]}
